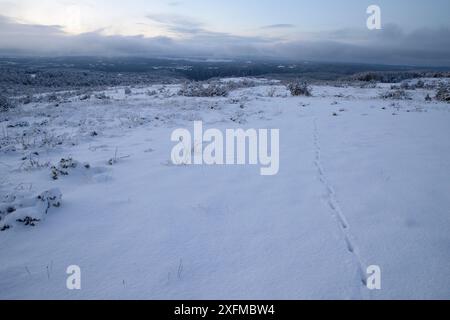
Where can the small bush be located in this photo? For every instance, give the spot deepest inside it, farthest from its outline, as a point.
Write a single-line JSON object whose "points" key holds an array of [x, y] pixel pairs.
{"points": [[200, 89], [369, 85], [405, 86], [52, 98], [298, 88], [271, 92], [27, 99], [420, 84], [396, 95], [241, 84], [102, 96], [5, 104], [28, 211], [443, 93], [65, 166]]}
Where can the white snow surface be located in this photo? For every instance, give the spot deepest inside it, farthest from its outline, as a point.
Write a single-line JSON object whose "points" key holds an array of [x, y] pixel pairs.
{"points": [[362, 181]]}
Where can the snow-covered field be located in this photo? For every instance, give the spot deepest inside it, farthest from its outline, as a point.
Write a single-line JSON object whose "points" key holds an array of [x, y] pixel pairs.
{"points": [[363, 181]]}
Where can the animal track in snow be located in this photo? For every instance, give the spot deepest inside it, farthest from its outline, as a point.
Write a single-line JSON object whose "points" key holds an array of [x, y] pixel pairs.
{"points": [[337, 213]]}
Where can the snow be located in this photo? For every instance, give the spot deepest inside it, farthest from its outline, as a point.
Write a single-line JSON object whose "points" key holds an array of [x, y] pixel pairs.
{"points": [[363, 181]]}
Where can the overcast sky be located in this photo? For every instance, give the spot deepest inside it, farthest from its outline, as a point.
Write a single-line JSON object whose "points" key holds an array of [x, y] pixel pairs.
{"points": [[413, 32]]}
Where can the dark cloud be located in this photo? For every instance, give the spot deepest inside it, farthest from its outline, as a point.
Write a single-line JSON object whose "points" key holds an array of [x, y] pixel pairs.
{"points": [[391, 45]]}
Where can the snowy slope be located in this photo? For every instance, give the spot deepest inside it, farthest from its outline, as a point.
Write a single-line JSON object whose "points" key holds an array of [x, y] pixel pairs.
{"points": [[363, 181]]}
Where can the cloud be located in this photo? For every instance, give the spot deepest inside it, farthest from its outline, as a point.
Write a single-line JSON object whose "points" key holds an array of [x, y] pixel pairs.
{"points": [[175, 23], [392, 45], [174, 3], [279, 26]]}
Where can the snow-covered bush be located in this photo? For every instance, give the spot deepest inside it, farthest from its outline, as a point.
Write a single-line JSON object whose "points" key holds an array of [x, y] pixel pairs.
{"points": [[239, 117], [51, 198], [151, 93], [19, 124], [413, 85], [65, 166], [85, 97], [271, 92], [52, 98], [28, 211], [242, 83], [102, 96], [443, 93], [369, 85], [27, 99], [406, 86], [420, 84], [396, 95], [386, 76], [200, 89], [299, 88], [5, 104]]}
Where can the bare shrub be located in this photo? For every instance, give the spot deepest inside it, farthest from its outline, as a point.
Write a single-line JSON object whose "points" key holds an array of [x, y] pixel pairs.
{"points": [[32, 162]]}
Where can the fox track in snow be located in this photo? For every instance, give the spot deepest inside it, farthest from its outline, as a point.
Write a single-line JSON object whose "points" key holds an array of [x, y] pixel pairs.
{"points": [[337, 212]]}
